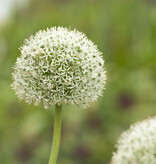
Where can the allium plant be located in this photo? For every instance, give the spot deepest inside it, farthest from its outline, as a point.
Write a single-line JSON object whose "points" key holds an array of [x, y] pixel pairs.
{"points": [[58, 66], [138, 144]]}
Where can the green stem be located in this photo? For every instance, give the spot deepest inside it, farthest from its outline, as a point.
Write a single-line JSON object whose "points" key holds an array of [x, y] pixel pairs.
{"points": [[56, 135]]}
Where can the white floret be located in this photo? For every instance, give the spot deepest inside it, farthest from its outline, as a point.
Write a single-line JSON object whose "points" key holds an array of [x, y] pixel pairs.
{"points": [[59, 66], [137, 145]]}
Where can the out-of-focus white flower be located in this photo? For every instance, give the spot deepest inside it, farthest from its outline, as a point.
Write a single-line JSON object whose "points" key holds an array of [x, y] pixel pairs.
{"points": [[137, 145], [59, 66]]}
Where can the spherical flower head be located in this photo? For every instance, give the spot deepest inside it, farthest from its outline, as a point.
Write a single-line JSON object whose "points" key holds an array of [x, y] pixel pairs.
{"points": [[137, 145], [59, 66]]}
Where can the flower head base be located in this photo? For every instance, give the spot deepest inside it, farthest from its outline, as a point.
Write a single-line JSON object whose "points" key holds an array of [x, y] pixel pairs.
{"points": [[59, 66], [137, 145]]}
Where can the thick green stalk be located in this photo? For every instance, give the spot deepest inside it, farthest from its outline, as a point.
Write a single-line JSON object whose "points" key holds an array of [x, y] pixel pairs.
{"points": [[56, 135]]}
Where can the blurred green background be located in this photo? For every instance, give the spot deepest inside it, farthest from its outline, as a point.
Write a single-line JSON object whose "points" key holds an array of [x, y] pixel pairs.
{"points": [[125, 31]]}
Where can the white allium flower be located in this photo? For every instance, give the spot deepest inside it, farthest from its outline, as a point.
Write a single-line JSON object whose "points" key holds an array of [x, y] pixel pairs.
{"points": [[59, 66], [137, 145]]}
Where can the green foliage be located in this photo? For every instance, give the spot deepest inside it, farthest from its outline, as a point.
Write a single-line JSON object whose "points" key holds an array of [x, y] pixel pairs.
{"points": [[125, 31]]}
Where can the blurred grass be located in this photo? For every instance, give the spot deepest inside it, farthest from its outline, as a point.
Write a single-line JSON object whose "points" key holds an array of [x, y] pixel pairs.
{"points": [[125, 31]]}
